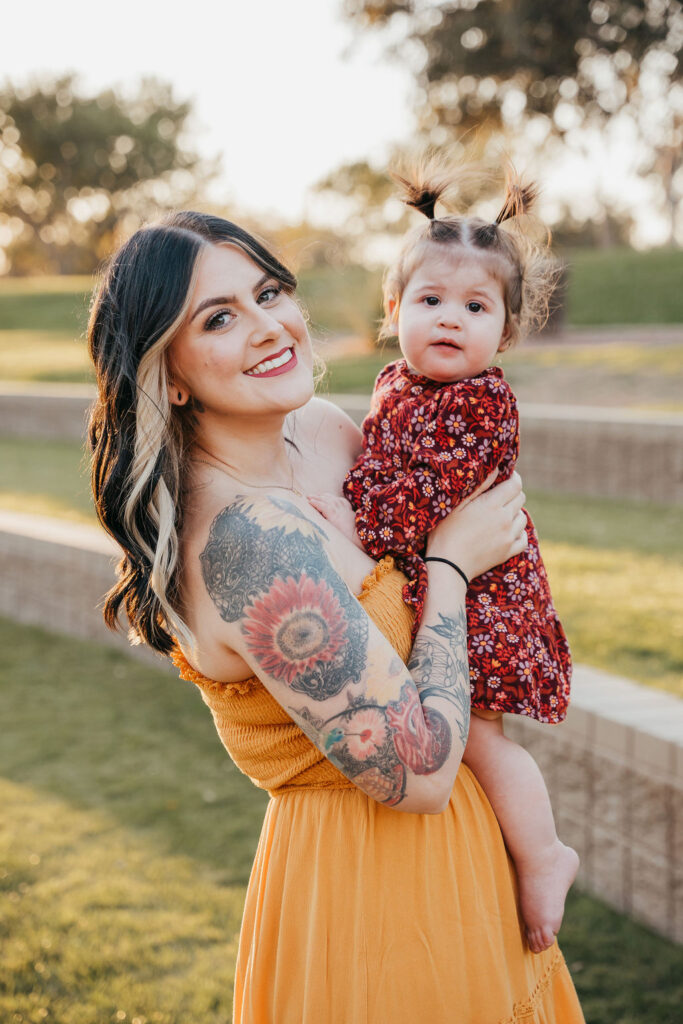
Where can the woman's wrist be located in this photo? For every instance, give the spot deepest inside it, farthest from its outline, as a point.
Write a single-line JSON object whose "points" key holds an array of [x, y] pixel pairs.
{"points": [[452, 565]]}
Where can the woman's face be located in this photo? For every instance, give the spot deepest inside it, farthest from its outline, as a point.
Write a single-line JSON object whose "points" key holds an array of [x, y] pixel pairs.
{"points": [[244, 349]]}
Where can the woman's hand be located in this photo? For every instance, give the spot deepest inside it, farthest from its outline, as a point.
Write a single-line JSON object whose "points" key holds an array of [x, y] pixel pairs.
{"points": [[484, 531]]}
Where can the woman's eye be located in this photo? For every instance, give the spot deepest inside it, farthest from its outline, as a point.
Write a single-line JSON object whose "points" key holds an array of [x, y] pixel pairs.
{"points": [[269, 293], [218, 320], [474, 307]]}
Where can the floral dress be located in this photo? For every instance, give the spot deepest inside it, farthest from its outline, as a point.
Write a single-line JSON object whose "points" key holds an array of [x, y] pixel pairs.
{"points": [[426, 447]]}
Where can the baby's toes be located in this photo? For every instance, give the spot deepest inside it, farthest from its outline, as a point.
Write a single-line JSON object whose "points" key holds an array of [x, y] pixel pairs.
{"points": [[540, 939]]}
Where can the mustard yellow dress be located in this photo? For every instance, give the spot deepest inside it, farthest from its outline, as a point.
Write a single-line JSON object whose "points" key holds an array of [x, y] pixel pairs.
{"points": [[358, 914]]}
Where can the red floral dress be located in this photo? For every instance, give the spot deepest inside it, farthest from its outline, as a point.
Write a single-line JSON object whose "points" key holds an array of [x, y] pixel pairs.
{"points": [[426, 447]]}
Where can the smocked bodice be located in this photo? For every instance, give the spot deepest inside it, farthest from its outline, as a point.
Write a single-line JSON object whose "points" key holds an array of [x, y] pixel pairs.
{"points": [[257, 732]]}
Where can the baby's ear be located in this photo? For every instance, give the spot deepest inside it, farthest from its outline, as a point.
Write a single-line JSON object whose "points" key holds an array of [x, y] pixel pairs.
{"points": [[392, 313], [510, 332]]}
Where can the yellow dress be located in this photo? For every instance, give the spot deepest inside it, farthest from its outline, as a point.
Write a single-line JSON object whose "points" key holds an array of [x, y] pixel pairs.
{"points": [[358, 914]]}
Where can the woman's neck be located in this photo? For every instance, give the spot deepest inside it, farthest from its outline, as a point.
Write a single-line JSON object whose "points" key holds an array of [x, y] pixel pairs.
{"points": [[254, 448]]}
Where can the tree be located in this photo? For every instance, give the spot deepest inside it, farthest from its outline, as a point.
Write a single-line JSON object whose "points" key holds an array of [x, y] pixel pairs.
{"points": [[552, 70], [76, 171]]}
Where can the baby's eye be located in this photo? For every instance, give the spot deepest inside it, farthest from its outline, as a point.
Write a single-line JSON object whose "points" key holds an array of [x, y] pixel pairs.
{"points": [[431, 300], [269, 293], [218, 320], [475, 307]]}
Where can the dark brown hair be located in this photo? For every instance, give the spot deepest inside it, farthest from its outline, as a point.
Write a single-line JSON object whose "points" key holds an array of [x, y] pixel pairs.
{"points": [[137, 438]]}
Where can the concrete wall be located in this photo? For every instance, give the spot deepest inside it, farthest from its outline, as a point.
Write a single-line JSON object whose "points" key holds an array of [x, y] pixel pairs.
{"points": [[569, 449], [575, 449], [614, 768]]}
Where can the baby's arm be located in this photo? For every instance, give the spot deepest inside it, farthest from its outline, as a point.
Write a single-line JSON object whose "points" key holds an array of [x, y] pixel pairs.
{"points": [[473, 432], [337, 511]]}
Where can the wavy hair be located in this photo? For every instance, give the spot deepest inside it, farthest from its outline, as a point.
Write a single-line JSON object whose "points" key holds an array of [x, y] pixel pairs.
{"points": [[525, 268], [138, 439]]}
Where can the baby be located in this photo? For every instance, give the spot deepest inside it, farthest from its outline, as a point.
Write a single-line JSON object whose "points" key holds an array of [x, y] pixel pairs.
{"points": [[441, 420]]}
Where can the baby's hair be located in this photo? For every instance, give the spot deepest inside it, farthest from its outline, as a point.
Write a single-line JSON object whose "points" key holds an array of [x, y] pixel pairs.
{"points": [[524, 267]]}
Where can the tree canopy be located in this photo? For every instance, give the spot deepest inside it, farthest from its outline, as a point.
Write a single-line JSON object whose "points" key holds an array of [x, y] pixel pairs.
{"points": [[543, 70], [76, 170], [474, 54]]}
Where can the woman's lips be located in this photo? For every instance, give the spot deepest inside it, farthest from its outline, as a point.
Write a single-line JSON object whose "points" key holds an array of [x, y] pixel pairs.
{"points": [[273, 366]]}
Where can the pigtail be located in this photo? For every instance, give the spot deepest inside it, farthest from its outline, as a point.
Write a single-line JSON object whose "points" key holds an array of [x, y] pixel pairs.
{"points": [[519, 197], [421, 194], [523, 264]]}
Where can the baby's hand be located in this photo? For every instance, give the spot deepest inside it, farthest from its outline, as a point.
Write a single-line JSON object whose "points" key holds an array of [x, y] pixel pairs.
{"points": [[338, 512]]}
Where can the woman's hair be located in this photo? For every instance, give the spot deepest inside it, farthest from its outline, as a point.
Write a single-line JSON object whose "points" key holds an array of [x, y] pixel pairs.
{"points": [[524, 267], [138, 439]]}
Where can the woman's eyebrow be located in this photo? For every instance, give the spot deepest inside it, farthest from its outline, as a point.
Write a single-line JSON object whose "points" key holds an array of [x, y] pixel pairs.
{"points": [[226, 300]]}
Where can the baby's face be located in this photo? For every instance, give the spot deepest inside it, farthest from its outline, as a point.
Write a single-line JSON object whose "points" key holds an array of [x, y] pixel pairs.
{"points": [[451, 318]]}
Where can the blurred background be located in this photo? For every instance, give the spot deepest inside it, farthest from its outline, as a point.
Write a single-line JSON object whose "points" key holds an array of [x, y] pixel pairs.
{"points": [[127, 836]]}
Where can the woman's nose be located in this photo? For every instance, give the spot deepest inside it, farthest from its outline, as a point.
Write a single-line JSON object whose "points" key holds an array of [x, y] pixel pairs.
{"points": [[265, 326]]}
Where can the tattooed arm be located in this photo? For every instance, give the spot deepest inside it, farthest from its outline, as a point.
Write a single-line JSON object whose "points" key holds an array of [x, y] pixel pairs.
{"points": [[397, 733]]}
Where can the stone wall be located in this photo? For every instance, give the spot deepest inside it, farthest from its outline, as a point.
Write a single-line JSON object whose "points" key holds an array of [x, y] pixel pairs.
{"points": [[568, 449], [574, 449], [614, 768]]}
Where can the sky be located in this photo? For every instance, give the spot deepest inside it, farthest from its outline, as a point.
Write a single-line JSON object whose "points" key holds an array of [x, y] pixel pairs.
{"points": [[284, 90], [270, 83]]}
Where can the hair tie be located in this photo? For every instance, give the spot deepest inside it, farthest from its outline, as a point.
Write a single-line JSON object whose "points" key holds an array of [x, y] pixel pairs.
{"points": [[435, 558]]}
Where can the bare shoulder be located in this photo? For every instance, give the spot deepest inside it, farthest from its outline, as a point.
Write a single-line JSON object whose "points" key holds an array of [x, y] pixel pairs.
{"points": [[283, 606], [322, 418]]}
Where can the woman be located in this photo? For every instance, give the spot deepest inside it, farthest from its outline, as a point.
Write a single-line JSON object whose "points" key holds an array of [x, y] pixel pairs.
{"points": [[206, 440]]}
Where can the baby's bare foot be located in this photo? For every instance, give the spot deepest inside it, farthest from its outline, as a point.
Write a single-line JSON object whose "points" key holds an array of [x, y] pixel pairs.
{"points": [[542, 892]]}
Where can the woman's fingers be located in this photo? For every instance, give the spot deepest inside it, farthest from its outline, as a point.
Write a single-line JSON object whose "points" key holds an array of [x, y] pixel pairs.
{"points": [[519, 524], [482, 488]]}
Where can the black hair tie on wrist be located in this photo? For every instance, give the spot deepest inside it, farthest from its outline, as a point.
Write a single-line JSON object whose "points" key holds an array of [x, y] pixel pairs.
{"points": [[434, 558]]}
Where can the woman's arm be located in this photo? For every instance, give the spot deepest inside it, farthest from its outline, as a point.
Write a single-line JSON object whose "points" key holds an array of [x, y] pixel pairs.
{"points": [[398, 733]]}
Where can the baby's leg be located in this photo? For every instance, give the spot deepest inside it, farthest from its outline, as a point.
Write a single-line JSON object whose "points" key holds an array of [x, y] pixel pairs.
{"points": [[514, 785]]}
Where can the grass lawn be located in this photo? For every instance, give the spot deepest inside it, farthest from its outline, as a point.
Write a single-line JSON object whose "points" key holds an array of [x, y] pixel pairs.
{"points": [[125, 843], [616, 567], [49, 478], [623, 286], [610, 374], [42, 324]]}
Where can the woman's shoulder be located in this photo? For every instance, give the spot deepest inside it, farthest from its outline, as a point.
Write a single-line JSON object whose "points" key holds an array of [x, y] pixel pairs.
{"points": [[323, 418], [229, 555]]}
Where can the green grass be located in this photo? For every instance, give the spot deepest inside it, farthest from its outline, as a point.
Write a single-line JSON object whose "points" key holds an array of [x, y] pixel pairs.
{"points": [[44, 356], [42, 320], [125, 844], [616, 571], [45, 304], [623, 286], [48, 478], [126, 839], [342, 300], [609, 374], [616, 567]]}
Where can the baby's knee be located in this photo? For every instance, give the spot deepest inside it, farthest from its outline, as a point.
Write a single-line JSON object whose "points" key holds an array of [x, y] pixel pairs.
{"points": [[486, 731], [488, 716]]}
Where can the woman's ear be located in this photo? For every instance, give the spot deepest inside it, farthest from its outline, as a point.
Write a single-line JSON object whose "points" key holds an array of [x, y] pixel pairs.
{"points": [[177, 395]]}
